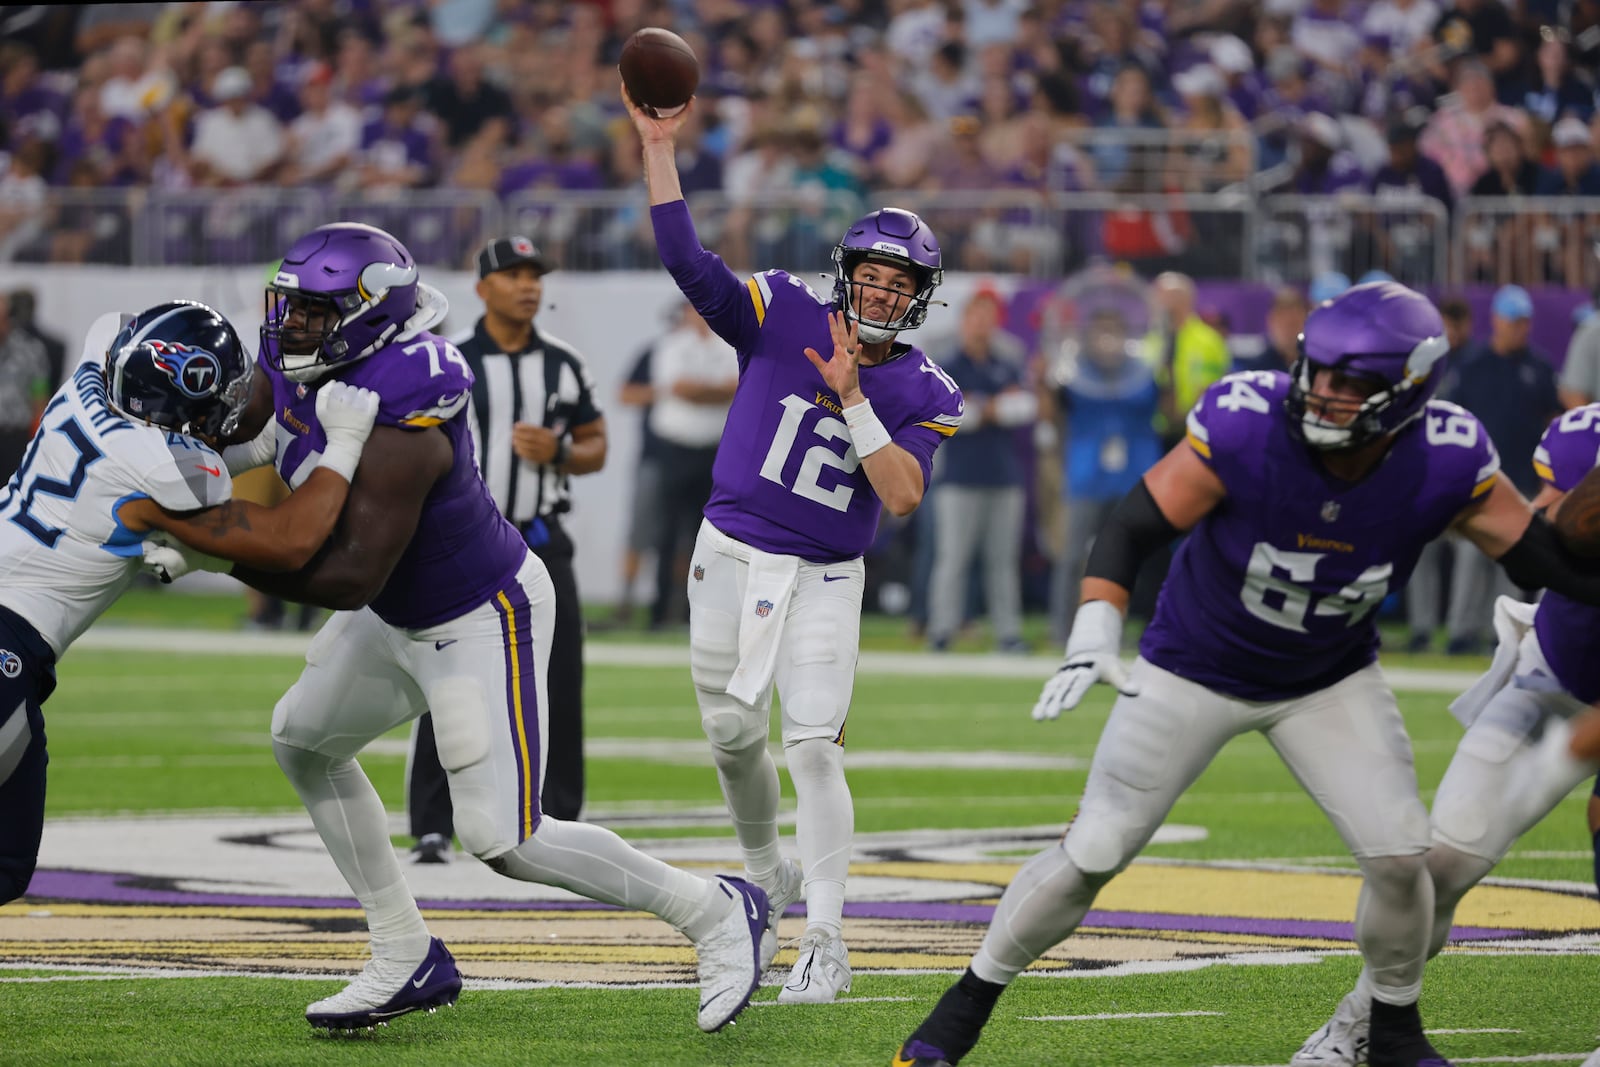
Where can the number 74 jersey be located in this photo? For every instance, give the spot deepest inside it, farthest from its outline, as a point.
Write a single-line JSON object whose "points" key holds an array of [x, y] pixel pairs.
{"points": [[1275, 593], [787, 478]]}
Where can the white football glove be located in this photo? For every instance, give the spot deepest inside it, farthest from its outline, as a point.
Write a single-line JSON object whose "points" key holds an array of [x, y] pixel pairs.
{"points": [[169, 559], [346, 413], [1093, 655]]}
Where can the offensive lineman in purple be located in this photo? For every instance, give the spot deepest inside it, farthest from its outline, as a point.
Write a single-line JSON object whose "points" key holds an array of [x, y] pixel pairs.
{"points": [[813, 450], [1568, 630], [1307, 499], [442, 607]]}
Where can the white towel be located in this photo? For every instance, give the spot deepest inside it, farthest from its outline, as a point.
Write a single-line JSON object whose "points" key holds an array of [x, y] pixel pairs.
{"points": [[1512, 621], [769, 586]]}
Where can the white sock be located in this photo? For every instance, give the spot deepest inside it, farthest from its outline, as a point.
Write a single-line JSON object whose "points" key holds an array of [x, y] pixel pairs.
{"points": [[824, 827], [350, 819], [750, 786], [595, 862]]}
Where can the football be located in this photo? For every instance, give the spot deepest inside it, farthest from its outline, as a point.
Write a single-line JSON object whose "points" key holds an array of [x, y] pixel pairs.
{"points": [[659, 70]]}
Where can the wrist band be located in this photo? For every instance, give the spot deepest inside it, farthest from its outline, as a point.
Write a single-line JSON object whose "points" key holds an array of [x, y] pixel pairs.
{"points": [[867, 433], [563, 452]]}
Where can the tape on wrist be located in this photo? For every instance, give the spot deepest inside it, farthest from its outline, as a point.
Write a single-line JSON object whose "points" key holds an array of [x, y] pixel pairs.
{"points": [[866, 432], [342, 459]]}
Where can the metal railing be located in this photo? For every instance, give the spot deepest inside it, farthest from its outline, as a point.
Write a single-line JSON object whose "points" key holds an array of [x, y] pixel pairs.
{"points": [[1031, 232]]}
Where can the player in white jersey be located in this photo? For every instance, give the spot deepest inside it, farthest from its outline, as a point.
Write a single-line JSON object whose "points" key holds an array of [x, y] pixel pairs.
{"points": [[118, 459]]}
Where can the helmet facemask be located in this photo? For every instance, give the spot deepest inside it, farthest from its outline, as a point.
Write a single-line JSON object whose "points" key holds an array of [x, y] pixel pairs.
{"points": [[849, 294], [1388, 408], [303, 332]]}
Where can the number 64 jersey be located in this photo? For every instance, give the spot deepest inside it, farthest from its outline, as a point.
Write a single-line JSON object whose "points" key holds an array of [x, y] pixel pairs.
{"points": [[1275, 593]]}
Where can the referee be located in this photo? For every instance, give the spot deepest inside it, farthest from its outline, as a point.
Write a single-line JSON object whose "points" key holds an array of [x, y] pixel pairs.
{"points": [[536, 426]]}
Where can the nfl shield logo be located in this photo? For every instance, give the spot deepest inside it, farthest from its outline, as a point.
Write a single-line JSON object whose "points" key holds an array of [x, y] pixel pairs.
{"points": [[1330, 511], [699, 573], [763, 608], [300, 391]]}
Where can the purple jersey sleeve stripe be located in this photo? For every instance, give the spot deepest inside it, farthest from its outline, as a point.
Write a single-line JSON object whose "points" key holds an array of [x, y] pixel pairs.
{"points": [[714, 290], [519, 654]]}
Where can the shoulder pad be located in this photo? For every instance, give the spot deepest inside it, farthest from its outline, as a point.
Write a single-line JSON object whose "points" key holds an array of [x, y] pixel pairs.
{"points": [[772, 286], [423, 381], [1570, 447], [1235, 413], [188, 475]]}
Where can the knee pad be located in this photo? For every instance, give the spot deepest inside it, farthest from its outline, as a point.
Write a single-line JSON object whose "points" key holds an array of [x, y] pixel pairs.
{"points": [[1454, 872], [460, 721], [477, 833], [1097, 846], [1393, 874], [728, 724], [297, 763]]}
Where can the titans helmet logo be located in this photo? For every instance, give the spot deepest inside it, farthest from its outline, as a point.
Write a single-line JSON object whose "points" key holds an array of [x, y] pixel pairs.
{"points": [[196, 372]]}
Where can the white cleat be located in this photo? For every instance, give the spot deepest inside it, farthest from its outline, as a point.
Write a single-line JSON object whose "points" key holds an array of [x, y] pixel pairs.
{"points": [[789, 885], [388, 988], [729, 954], [1342, 1040], [820, 974]]}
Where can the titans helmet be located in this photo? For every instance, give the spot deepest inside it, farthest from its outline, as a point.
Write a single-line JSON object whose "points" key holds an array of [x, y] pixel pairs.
{"points": [[180, 366], [1380, 333], [342, 292], [899, 239]]}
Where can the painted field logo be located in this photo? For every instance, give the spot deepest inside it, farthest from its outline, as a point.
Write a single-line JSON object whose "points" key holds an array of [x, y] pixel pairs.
{"points": [[258, 895]]}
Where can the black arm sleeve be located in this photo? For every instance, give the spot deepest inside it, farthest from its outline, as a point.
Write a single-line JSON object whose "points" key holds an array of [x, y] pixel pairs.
{"points": [[1540, 561], [1133, 532]]}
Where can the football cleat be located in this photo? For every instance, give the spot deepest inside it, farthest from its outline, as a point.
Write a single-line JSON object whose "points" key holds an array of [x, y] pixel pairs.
{"points": [[386, 989], [820, 974], [1342, 1040], [916, 1053], [790, 884], [730, 955], [1396, 1038]]}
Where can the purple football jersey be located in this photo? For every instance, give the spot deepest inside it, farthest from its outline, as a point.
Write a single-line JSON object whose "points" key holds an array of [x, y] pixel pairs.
{"points": [[1568, 630], [787, 479], [463, 550], [1275, 593]]}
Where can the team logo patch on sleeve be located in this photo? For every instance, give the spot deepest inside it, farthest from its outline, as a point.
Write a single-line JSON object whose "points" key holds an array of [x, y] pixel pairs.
{"points": [[10, 663]]}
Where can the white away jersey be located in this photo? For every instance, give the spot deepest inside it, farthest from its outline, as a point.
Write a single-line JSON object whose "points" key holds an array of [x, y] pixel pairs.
{"points": [[64, 557]]}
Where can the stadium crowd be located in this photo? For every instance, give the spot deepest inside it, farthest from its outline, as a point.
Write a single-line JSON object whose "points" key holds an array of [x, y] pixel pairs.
{"points": [[983, 108]]}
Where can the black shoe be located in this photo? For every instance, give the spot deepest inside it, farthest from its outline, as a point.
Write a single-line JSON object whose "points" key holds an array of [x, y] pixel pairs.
{"points": [[1419, 642], [1397, 1040], [1464, 646], [431, 848], [953, 1027]]}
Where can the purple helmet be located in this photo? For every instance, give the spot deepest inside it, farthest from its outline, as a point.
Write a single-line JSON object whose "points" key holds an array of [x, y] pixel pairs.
{"points": [[351, 288], [1383, 334], [900, 239]]}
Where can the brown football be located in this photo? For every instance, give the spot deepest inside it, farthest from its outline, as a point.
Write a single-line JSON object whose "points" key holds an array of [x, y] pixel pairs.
{"points": [[659, 70]]}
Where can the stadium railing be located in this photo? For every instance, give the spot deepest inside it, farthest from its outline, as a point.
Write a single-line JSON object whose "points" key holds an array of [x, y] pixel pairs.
{"points": [[1528, 240]]}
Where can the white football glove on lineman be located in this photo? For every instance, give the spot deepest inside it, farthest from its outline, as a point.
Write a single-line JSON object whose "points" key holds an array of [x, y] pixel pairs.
{"points": [[346, 413], [1093, 655], [169, 559]]}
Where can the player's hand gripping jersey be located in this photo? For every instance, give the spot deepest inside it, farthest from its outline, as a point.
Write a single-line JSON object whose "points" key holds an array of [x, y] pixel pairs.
{"points": [[64, 556], [1569, 632], [463, 550], [1274, 594], [787, 478]]}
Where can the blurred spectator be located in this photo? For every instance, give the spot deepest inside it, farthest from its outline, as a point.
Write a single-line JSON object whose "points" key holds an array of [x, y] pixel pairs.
{"points": [[1285, 319], [1575, 173], [136, 87], [237, 141], [1510, 172], [646, 508], [864, 131], [1185, 354], [1511, 387], [396, 147], [1403, 22], [29, 107], [1113, 47], [1104, 399], [108, 147], [829, 197], [101, 24], [1425, 590], [992, 21], [1409, 174], [1327, 285], [267, 87], [1245, 85], [22, 199], [1126, 162], [694, 374], [1324, 34], [1213, 148], [914, 141], [1482, 28], [980, 501], [1555, 90], [1400, 234], [946, 88], [1453, 137], [25, 386], [1580, 372], [24, 306], [326, 135], [466, 103], [915, 31]]}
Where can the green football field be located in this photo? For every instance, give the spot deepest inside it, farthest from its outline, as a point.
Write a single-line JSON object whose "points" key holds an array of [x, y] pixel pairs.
{"points": [[184, 913]]}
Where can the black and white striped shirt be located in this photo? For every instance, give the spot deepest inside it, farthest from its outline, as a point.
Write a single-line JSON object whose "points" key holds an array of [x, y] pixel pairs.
{"points": [[546, 383]]}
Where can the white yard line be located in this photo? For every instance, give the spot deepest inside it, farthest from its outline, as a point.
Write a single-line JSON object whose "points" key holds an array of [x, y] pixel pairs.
{"points": [[1117, 1015]]}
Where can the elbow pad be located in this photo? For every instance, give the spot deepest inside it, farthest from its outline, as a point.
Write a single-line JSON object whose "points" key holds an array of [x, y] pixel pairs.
{"points": [[1540, 561], [1133, 532]]}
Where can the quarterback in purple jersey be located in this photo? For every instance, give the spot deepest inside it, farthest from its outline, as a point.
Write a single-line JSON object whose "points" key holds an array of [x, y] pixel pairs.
{"points": [[439, 605], [1512, 767], [814, 449], [1289, 487]]}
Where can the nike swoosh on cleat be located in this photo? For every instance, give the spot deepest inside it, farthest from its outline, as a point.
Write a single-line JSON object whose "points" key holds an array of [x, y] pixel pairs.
{"points": [[900, 1060], [425, 975], [440, 646], [834, 577], [755, 913], [708, 1001]]}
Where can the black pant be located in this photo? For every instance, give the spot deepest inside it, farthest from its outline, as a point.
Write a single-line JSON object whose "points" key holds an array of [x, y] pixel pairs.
{"points": [[428, 791], [27, 676], [685, 489]]}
